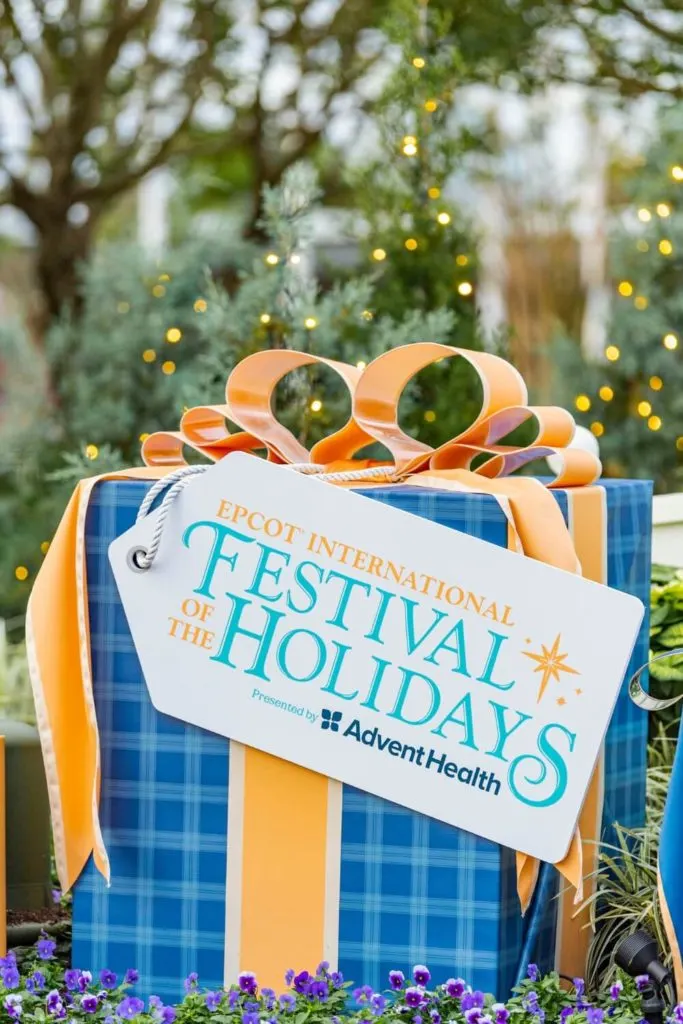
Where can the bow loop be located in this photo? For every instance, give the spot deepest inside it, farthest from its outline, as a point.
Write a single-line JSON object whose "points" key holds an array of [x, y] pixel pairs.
{"points": [[375, 394]]}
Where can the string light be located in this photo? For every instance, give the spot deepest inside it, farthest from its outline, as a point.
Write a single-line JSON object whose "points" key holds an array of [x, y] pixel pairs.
{"points": [[361, 365], [173, 335], [295, 258], [665, 247], [656, 383], [271, 259], [663, 209], [644, 215], [640, 302], [265, 318], [164, 277], [411, 244], [379, 255], [122, 307], [430, 106], [409, 149], [462, 260], [21, 573], [644, 409], [670, 341], [316, 405], [158, 291], [200, 306], [168, 367], [677, 173], [45, 547], [418, 62], [606, 393], [143, 438], [430, 416], [625, 288], [642, 245], [679, 443], [91, 451], [443, 218], [149, 355], [597, 428], [434, 192], [464, 288], [612, 353], [582, 403], [310, 323], [654, 423], [367, 314]]}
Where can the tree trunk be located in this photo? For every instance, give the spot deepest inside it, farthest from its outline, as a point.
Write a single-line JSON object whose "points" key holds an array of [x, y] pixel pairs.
{"points": [[62, 248]]}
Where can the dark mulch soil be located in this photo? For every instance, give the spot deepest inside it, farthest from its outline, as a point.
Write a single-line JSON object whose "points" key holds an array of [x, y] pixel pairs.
{"points": [[48, 915]]}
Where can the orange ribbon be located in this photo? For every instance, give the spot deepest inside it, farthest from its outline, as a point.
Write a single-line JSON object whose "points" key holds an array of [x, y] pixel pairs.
{"points": [[58, 646]]}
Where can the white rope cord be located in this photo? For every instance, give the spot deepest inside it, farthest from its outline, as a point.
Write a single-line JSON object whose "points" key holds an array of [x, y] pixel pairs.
{"points": [[140, 559]]}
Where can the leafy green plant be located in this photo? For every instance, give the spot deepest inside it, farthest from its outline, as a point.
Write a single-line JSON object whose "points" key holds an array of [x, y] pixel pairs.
{"points": [[666, 635], [16, 698]]}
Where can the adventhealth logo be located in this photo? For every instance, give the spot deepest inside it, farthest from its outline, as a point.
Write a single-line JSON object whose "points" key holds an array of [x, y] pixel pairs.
{"points": [[330, 720], [431, 760]]}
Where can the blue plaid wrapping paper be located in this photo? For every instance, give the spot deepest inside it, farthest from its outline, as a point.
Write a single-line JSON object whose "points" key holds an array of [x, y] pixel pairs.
{"points": [[413, 890]]}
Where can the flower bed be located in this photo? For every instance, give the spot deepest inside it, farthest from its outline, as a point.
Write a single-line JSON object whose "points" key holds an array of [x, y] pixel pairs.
{"points": [[41, 991]]}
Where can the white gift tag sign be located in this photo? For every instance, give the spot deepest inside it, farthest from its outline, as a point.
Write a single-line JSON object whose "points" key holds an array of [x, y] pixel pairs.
{"points": [[412, 661]]}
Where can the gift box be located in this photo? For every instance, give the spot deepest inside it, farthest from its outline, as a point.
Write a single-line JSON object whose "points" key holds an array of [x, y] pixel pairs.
{"points": [[406, 889]]}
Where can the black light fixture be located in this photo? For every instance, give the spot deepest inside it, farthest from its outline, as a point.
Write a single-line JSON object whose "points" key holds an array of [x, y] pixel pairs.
{"points": [[637, 955]]}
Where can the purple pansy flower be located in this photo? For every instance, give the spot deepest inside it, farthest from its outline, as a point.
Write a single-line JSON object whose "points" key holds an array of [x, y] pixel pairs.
{"points": [[252, 1007], [323, 967], [473, 1015], [454, 988], [250, 1018], [287, 1002], [213, 1001], [337, 979], [56, 895], [435, 1016], [131, 976], [289, 976], [397, 980], [53, 1003], [10, 976], [378, 1003], [233, 998], [247, 982], [109, 1020], [301, 981], [269, 996], [414, 997], [129, 1008], [594, 1015], [155, 1003], [71, 979], [417, 1019], [108, 979], [13, 1005], [565, 1012], [84, 979], [38, 980], [46, 948], [191, 981], [362, 994], [421, 975], [616, 989], [168, 1015], [580, 986], [89, 1003], [502, 1013], [318, 990], [642, 981], [533, 972], [678, 1013], [471, 1000]]}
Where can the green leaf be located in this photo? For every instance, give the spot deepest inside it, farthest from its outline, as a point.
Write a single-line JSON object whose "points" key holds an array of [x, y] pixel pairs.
{"points": [[672, 636], [658, 614], [301, 1017], [662, 574], [668, 670]]}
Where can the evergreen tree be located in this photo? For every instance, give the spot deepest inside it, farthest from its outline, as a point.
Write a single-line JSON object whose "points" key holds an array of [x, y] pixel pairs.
{"points": [[632, 399], [151, 340], [419, 241]]}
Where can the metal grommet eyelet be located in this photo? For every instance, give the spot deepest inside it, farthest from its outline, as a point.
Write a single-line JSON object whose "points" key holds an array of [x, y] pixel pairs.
{"points": [[134, 557]]}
